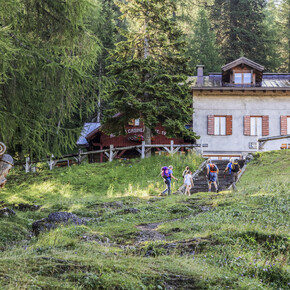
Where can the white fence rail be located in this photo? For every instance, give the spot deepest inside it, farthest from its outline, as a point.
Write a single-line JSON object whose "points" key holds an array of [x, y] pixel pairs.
{"points": [[110, 153]]}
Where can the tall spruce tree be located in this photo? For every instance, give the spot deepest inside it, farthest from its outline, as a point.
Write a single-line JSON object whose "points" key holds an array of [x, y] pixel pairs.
{"points": [[284, 34], [203, 49], [108, 34], [150, 71], [239, 25], [46, 72]]}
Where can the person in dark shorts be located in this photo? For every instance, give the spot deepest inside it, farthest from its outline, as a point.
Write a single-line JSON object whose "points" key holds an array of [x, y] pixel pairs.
{"points": [[234, 169], [212, 175]]}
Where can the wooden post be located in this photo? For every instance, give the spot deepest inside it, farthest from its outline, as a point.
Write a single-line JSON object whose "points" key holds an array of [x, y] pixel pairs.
{"points": [[111, 153], [27, 166], [102, 155], [51, 162], [171, 147], [143, 150], [79, 157]]}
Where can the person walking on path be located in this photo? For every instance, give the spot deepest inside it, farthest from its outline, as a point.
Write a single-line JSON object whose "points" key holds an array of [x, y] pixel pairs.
{"points": [[182, 189], [167, 174], [188, 182], [212, 172], [234, 169]]}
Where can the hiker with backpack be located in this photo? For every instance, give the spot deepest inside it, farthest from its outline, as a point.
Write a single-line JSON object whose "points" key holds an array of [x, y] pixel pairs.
{"points": [[234, 169], [167, 174], [212, 175]]}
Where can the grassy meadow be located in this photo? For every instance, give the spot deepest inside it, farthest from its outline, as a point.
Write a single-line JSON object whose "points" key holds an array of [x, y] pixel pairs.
{"points": [[137, 240]]}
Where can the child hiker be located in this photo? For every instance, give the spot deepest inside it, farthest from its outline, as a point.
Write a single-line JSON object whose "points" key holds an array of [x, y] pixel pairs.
{"points": [[188, 182]]}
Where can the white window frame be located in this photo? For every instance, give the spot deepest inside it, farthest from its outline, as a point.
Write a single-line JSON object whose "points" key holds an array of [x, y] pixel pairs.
{"points": [[220, 125], [256, 126], [250, 78], [288, 125], [242, 78]]}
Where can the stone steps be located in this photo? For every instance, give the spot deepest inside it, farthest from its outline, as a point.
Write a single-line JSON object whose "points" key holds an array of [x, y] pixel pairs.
{"points": [[224, 181]]}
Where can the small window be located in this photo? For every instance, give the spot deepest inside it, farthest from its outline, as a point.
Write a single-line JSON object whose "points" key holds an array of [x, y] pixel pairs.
{"points": [[256, 126], [238, 78], [219, 125], [242, 78], [247, 78], [288, 125]]}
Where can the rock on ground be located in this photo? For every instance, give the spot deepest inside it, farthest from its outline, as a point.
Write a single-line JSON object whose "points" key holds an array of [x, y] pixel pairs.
{"points": [[56, 219]]}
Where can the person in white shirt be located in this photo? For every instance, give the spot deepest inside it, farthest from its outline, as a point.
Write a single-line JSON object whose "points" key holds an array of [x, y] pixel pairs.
{"points": [[188, 182]]}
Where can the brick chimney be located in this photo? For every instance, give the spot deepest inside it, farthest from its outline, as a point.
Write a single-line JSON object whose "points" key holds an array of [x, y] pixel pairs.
{"points": [[200, 75]]}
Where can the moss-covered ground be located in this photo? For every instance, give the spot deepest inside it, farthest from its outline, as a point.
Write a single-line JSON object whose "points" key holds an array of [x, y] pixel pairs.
{"points": [[137, 240]]}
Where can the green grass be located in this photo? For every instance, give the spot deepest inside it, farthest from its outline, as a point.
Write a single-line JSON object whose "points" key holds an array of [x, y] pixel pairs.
{"points": [[235, 240]]}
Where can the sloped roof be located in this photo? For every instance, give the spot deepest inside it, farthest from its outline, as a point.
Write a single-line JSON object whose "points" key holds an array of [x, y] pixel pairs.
{"points": [[243, 60], [87, 129]]}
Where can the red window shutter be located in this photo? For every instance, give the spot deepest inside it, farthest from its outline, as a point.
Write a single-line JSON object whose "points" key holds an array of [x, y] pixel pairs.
{"points": [[283, 125], [210, 125], [229, 125], [265, 125], [247, 125]]}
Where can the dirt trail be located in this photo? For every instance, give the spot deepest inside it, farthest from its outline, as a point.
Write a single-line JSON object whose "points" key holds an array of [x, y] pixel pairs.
{"points": [[148, 233]]}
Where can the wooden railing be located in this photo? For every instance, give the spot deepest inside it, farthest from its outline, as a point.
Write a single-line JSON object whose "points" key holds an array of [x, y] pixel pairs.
{"points": [[262, 141], [110, 153]]}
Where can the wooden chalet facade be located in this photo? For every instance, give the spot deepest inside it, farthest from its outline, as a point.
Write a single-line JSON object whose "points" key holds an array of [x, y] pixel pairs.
{"points": [[236, 107], [92, 138]]}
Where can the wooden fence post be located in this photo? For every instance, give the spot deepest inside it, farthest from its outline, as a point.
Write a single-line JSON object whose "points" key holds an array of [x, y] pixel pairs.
{"points": [[27, 166], [171, 147], [50, 163], [79, 157], [143, 150], [111, 153]]}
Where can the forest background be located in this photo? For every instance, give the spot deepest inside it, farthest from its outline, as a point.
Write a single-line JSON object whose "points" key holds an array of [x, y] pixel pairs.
{"points": [[60, 60]]}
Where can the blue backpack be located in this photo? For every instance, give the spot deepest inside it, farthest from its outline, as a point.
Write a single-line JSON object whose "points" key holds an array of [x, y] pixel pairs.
{"points": [[165, 172]]}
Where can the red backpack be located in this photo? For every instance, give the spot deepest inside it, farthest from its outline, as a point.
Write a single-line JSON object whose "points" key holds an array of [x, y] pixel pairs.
{"points": [[212, 168]]}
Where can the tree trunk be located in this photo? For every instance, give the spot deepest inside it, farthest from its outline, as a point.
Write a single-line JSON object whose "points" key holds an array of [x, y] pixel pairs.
{"points": [[147, 139]]}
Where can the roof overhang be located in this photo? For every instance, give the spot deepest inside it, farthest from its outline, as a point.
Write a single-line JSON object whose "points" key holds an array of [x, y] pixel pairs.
{"points": [[243, 60]]}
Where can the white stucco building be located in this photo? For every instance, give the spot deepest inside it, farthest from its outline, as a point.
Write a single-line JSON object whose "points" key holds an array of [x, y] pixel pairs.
{"points": [[239, 105]]}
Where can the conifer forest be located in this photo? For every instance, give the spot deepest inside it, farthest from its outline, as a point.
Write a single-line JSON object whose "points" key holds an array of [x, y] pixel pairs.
{"points": [[63, 63]]}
